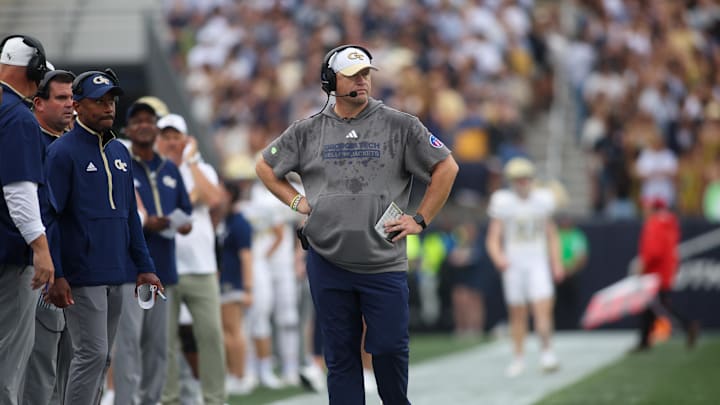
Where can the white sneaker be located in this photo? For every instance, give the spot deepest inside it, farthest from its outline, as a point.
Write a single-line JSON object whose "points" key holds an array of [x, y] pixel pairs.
{"points": [[229, 381], [313, 378], [291, 380], [240, 386], [248, 383], [548, 362], [194, 387], [108, 398], [515, 368], [369, 382], [271, 381]]}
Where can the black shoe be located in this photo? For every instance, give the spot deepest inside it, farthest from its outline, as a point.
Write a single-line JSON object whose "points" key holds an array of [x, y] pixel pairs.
{"points": [[640, 348]]}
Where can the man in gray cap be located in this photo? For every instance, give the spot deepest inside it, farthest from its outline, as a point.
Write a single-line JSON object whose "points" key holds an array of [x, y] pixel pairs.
{"points": [[197, 284], [93, 196]]}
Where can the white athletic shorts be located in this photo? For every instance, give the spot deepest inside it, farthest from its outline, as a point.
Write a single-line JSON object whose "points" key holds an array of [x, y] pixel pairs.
{"points": [[274, 293], [526, 283], [232, 296]]}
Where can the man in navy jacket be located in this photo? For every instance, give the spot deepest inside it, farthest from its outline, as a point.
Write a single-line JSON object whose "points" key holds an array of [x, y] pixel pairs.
{"points": [[89, 175], [25, 263], [142, 335]]}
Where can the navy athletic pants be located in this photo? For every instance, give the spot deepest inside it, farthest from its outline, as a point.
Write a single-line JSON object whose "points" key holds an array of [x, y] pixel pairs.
{"points": [[342, 298]]}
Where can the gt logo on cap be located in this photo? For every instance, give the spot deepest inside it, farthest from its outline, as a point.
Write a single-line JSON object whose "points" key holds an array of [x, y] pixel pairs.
{"points": [[356, 55], [101, 80]]}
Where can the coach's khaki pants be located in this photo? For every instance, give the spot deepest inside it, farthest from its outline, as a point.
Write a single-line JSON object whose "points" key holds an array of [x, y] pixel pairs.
{"points": [[201, 294]]}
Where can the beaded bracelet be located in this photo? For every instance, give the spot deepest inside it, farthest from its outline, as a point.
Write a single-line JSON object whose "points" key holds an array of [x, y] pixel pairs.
{"points": [[295, 202]]}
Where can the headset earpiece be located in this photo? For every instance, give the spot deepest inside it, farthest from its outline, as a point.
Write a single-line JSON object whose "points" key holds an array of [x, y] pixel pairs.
{"points": [[328, 77], [76, 85], [112, 76], [37, 67], [44, 86]]}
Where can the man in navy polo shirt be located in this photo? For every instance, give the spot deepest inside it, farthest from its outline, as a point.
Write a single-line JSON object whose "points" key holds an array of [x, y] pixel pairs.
{"points": [[90, 177], [142, 334], [25, 262]]}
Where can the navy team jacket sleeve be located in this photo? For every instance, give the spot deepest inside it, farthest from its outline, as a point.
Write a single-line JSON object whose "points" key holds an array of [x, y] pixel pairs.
{"points": [[138, 247], [21, 150], [58, 174], [183, 197]]}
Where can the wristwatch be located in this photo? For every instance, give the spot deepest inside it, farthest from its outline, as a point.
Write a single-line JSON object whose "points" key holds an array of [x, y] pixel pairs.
{"points": [[419, 219]]}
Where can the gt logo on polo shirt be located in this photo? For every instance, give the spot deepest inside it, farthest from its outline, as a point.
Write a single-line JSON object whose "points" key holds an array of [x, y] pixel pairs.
{"points": [[120, 165], [169, 181]]}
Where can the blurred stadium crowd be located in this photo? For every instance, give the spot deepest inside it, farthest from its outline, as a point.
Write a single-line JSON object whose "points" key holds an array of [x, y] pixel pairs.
{"points": [[643, 77], [470, 70]]}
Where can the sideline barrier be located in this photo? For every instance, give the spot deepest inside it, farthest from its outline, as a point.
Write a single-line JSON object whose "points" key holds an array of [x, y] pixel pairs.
{"points": [[612, 248]]}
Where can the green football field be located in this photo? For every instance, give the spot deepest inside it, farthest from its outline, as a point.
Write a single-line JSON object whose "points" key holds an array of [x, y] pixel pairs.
{"points": [[422, 348], [668, 374]]}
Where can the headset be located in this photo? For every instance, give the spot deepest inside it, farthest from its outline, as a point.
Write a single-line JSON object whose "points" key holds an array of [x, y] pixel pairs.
{"points": [[44, 86], [77, 87], [37, 66], [328, 77]]}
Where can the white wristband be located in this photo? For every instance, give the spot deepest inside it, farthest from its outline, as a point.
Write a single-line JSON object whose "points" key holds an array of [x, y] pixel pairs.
{"points": [[194, 159]]}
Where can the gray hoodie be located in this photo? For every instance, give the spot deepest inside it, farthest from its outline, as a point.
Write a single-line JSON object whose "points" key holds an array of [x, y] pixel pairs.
{"points": [[352, 169]]}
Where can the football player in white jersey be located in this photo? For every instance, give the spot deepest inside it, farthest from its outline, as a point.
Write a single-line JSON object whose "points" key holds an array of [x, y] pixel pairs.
{"points": [[522, 241], [275, 287]]}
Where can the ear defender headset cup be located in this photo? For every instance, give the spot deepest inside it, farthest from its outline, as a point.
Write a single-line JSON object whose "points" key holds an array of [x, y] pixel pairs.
{"points": [[37, 66], [328, 77], [77, 88], [44, 86]]}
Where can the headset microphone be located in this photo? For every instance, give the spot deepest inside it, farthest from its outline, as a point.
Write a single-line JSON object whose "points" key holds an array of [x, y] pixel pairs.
{"points": [[351, 94]]}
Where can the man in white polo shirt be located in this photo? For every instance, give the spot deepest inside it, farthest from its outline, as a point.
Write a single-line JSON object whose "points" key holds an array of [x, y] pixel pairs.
{"points": [[196, 265]]}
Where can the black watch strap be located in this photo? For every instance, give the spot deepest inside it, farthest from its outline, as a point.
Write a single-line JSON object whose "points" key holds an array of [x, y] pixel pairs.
{"points": [[420, 220]]}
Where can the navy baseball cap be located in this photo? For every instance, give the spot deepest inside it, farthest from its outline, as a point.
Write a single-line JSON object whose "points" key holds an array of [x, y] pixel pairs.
{"points": [[95, 86]]}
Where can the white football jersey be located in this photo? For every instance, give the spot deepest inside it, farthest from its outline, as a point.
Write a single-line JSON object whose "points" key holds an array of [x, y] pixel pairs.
{"points": [[195, 252], [524, 222], [264, 211]]}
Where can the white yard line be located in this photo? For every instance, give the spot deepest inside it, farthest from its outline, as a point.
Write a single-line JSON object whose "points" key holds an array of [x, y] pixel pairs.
{"points": [[477, 376]]}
